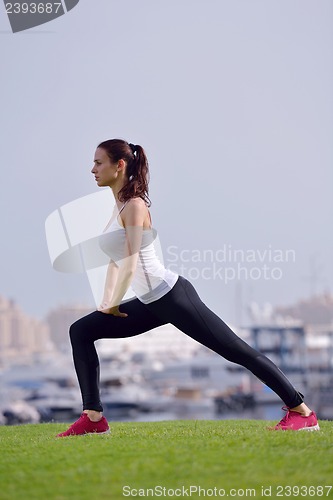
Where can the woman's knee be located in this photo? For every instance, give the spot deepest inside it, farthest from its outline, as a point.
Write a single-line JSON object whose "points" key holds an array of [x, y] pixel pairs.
{"points": [[76, 332], [241, 353], [84, 329], [73, 332]]}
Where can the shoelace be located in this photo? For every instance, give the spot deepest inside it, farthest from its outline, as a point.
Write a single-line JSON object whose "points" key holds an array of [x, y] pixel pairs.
{"points": [[285, 419], [77, 421]]}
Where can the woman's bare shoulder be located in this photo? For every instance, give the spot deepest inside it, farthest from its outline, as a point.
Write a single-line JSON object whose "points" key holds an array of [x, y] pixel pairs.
{"points": [[137, 204], [135, 211]]}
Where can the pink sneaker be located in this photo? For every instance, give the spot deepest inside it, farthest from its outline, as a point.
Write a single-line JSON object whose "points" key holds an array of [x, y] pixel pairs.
{"points": [[294, 421], [86, 426]]}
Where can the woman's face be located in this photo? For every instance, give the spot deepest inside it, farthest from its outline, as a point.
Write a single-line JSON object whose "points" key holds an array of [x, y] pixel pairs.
{"points": [[104, 170]]}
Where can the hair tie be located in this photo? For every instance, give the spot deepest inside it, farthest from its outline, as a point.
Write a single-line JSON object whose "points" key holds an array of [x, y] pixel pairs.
{"points": [[133, 147]]}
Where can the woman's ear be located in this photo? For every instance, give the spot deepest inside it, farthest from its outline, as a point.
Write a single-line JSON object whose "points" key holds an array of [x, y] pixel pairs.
{"points": [[121, 164]]}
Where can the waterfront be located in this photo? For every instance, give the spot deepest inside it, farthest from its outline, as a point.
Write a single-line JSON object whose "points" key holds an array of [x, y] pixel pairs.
{"points": [[261, 412], [164, 377]]}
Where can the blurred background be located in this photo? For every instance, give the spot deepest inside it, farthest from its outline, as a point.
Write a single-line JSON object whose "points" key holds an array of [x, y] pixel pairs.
{"points": [[232, 101]]}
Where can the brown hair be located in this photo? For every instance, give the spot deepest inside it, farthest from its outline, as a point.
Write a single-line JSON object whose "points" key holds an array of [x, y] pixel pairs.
{"points": [[137, 170]]}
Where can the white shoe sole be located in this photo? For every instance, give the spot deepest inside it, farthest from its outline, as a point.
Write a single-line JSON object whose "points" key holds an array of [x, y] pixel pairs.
{"points": [[97, 433], [313, 428]]}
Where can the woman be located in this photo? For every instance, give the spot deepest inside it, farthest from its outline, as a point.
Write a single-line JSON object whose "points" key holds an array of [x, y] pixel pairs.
{"points": [[161, 297]]}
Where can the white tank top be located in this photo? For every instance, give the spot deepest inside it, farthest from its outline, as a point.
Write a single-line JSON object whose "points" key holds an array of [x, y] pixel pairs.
{"points": [[151, 279]]}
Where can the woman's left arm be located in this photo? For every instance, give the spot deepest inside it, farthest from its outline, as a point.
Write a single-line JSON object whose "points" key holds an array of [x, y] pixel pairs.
{"points": [[133, 220]]}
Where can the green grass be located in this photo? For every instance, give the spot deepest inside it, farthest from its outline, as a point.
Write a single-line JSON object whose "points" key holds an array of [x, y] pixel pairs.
{"points": [[238, 454]]}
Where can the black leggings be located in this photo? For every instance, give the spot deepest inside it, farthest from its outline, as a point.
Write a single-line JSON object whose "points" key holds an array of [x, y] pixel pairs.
{"points": [[182, 307]]}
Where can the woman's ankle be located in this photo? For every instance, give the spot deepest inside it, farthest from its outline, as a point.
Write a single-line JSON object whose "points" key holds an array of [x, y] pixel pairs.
{"points": [[93, 415], [302, 409]]}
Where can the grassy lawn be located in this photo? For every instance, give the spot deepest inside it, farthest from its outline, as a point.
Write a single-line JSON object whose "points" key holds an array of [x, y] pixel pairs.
{"points": [[227, 455]]}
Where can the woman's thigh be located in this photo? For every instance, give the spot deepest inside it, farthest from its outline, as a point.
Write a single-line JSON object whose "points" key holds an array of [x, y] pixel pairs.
{"points": [[98, 325]]}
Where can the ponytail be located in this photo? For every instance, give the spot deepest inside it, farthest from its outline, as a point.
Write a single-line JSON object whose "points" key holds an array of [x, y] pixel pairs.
{"points": [[138, 176]]}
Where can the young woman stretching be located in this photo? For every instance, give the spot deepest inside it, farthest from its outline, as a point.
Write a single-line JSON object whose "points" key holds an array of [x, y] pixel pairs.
{"points": [[162, 297]]}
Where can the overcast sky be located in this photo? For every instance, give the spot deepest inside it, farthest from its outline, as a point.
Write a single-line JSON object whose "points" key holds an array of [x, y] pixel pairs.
{"points": [[232, 101]]}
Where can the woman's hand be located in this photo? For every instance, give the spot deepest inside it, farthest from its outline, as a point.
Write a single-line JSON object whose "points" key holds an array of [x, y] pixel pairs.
{"points": [[112, 310]]}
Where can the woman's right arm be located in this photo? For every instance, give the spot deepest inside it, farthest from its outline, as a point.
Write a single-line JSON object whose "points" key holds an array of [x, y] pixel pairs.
{"points": [[110, 281]]}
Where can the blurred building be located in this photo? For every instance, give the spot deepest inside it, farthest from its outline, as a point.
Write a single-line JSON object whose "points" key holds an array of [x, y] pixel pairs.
{"points": [[22, 338], [60, 319], [315, 316], [316, 310]]}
